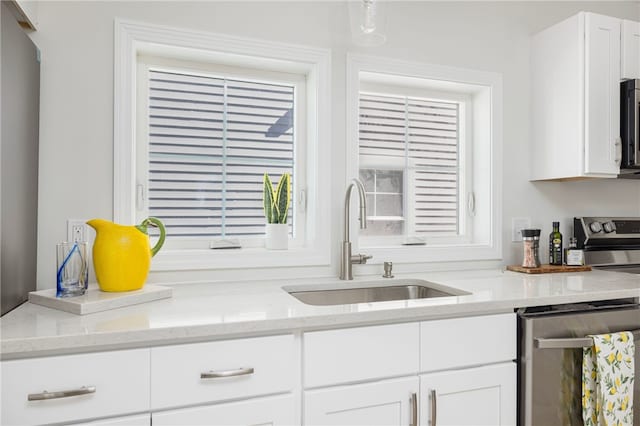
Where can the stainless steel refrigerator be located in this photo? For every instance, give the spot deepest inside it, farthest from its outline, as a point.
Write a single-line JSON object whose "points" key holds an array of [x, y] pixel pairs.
{"points": [[19, 110]]}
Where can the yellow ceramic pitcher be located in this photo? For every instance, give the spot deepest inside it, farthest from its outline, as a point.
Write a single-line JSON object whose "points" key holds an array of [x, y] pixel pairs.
{"points": [[121, 254]]}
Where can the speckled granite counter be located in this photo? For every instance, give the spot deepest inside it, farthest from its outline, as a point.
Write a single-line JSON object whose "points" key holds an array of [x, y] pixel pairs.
{"points": [[199, 312]]}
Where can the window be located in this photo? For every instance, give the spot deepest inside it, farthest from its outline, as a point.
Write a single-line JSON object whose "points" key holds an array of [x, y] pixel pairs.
{"points": [[409, 164], [426, 142], [198, 119], [205, 140]]}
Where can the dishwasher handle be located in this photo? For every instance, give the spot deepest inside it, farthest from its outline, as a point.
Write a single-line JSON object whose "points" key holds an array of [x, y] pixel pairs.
{"points": [[572, 342]]}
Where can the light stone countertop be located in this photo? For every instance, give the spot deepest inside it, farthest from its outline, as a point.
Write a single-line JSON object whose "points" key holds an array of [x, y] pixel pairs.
{"points": [[200, 312]]}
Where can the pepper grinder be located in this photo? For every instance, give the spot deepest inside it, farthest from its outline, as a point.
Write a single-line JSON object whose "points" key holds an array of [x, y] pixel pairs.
{"points": [[531, 245]]}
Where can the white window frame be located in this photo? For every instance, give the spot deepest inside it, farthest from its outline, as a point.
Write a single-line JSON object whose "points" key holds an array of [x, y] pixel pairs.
{"points": [[133, 39], [481, 236]]}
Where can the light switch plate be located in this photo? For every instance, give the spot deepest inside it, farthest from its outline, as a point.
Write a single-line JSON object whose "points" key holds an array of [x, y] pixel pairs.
{"points": [[517, 225]]}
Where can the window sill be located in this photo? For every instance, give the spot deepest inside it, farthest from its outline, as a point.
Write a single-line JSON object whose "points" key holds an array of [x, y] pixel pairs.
{"points": [[432, 253], [202, 259]]}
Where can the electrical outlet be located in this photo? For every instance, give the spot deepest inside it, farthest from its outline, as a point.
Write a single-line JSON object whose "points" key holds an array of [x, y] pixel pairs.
{"points": [[77, 230], [517, 225]]}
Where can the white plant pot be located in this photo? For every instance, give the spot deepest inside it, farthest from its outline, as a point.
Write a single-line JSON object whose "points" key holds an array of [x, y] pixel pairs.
{"points": [[277, 236]]}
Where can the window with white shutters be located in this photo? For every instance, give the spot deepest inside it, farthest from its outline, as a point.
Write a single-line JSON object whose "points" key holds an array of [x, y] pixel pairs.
{"points": [[210, 139], [409, 153]]}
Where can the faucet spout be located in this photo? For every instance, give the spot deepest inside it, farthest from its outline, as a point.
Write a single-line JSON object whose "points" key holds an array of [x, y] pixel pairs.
{"points": [[347, 260], [362, 217]]}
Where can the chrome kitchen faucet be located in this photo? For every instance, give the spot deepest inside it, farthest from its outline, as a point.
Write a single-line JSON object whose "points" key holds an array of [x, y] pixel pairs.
{"points": [[346, 259]]}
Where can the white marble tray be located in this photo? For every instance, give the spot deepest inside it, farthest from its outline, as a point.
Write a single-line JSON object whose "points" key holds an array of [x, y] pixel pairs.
{"points": [[95, 300]]}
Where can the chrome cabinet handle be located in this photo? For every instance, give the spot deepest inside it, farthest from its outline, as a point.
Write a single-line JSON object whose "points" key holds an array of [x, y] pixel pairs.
{"points": [[61, 394], [571, 342], [227, 373], [434, 407], [414, 409], [617, 146]]}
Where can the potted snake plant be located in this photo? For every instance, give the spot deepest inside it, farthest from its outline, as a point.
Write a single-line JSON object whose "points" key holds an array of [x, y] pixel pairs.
{"points": [[276, 209]]}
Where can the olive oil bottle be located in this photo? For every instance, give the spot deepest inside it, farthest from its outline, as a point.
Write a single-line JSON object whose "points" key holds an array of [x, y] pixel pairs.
{"points": [[555, 245]]}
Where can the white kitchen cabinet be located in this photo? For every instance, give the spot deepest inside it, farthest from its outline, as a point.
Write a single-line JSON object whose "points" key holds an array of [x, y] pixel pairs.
{"points": [[355, 376], [469, 397], [138, 420], [72, 388], [273, 411], [576, 99], [387, 402], [630, 60], [208, 372], [470, 361], [357, 354], [462, 342]]}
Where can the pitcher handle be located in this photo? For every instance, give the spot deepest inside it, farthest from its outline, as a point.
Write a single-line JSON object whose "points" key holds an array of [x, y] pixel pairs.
{"points": [[156, 222]]}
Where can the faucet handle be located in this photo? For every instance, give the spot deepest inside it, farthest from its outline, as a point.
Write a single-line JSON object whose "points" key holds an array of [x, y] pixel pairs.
{"points": [[360, 258]]}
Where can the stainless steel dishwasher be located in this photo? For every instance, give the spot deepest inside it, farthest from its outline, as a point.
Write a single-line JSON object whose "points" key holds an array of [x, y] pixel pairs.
{"points": [[550, 357]]}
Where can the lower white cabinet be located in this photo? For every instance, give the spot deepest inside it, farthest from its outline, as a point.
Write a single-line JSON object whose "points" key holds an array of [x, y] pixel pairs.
{"points": [[386, 402], [139, 420], [446, 372], [204, 373], [74, 388], [452, 372], [469, 397], [272, 411]]}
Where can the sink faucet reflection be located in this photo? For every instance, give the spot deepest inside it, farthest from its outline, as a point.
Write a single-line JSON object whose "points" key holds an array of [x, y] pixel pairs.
{"points": [[346, 259]]}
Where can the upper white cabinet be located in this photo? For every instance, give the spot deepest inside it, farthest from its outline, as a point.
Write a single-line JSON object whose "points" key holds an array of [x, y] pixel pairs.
{"points": [[576, 99], [630, 50]]}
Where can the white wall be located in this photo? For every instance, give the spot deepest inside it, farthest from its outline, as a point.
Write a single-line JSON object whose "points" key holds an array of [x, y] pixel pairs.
{"points": [[76, 39]]}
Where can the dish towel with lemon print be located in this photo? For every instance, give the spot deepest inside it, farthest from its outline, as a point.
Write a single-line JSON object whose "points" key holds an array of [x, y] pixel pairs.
{"points": [[607, 380]]}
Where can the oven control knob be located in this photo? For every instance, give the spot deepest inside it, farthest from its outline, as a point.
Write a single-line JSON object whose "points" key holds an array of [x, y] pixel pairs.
{"points": [[595, 227], [609, 227]]}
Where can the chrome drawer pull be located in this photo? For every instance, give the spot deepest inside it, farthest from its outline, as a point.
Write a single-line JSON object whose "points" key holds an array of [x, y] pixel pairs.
{"points": [[572, 342], [61, 394], [414, 409], [434, 407], [227, 373]]}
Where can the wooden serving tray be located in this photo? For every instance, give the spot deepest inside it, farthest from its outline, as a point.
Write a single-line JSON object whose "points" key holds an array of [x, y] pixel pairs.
{"points": [[548, 269]]}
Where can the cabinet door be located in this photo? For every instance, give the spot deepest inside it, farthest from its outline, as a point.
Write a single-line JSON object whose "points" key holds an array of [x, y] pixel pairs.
{"points": [[387, 402], [474, 397], [139, 420], [273, 411], [602, 95], [630, 49]]}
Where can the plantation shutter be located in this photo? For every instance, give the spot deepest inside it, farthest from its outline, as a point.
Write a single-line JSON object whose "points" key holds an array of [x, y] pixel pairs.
{"points": [[210, 142], [424, 133]]}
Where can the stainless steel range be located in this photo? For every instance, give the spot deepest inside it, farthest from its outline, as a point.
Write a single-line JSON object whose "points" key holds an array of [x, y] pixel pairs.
{"points": [[611, 243], [552, 338]]}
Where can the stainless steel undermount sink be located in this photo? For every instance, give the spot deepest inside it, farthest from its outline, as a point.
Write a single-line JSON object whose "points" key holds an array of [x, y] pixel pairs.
{"points": [[348, 292]]}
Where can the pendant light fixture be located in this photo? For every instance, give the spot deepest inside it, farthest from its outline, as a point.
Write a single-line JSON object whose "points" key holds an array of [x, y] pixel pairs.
{"points": [[368, 22]]}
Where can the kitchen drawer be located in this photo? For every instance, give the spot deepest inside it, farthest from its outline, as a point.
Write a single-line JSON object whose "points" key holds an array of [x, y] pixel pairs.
{"points": [[462, 342], [120, 379], [272, 411], [355, 354], [176, 371], [136, 420]]}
